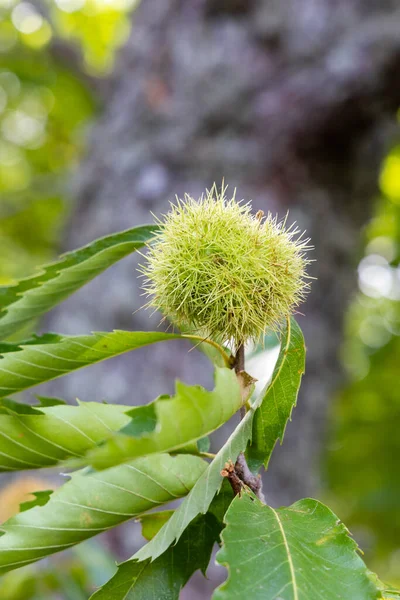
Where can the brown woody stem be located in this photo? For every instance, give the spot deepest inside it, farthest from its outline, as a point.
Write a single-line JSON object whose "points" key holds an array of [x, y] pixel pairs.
{"points": [[254, 482], [239, 474]]}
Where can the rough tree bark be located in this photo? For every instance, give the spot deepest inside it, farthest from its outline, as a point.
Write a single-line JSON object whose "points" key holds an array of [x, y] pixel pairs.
{"points": [[294, 103]]}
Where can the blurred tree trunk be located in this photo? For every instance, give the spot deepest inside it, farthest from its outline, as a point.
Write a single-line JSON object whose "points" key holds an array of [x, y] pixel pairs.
{"points": [[294, 103]]}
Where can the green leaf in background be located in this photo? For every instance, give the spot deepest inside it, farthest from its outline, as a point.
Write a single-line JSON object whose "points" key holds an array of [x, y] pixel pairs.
{"points": [[40, 499], [189, 415], [302, 552], [203, 444], [42, 436], [50, 356], [72, 575], [165, 577], [278, 398], [36, 295], [31, 228], [152, 522], [91, 503]]}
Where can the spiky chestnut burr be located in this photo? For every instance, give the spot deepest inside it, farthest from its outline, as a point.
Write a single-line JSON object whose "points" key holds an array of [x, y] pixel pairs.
{"points": [[222, 272]]}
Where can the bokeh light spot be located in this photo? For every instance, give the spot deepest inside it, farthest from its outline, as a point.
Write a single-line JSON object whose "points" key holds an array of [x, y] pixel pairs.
{"points": [[21, 129], [373, 332], [40, 37], [70, 6], [375, 277], [25, 18]]}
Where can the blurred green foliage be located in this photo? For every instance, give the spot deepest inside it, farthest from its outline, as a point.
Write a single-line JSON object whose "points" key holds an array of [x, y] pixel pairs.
{"points": [[44, 111], [74, 575], [374, 317], [100, 27], [363, 461]]}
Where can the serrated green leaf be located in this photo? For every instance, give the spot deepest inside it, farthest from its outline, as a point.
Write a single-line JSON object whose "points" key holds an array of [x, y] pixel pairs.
{"points": [[53, 356], [152, 522], [8, 405], [42, 436], [91, 503], [35, 295], [278, 398], [188, 416], [391, 595], [165, 577], [142, 420], [202, 494], [46, 401], [302, 552], [32, 438]]}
